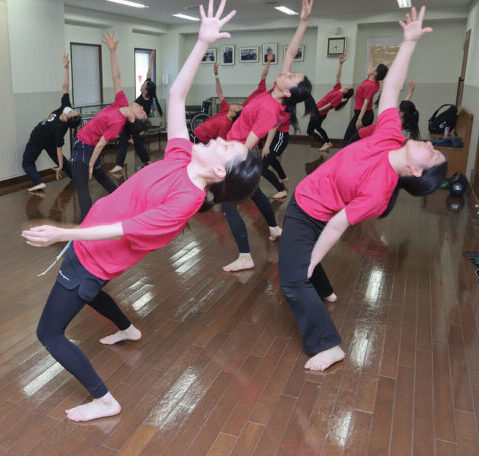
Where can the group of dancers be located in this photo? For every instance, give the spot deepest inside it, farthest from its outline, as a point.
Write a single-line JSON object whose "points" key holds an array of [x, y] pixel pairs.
{"points": [[151, 208]]}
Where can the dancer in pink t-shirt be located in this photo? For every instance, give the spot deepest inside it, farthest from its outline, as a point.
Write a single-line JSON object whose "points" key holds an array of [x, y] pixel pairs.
{"points": [[142, 215]]}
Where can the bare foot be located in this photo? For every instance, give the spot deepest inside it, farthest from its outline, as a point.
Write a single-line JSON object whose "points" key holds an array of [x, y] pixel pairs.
{"points": [[244, 261], [37, 187], [130, 333], [331, 298], [326, 146], [325, 359], [116, 169], [280, 195], [97, 408], [286, 179], [274, 232]]}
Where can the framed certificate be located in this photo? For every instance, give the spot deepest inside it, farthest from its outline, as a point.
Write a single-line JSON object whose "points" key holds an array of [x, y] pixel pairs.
{"points": [[336, 45]]}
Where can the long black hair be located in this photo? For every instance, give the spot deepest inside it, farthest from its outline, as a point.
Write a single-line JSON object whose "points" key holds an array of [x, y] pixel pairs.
{"points": [[345, 99], [410, 119], [242, 178], [300, 93], [381, 72], [150, 89], [136, 127], [74, 121], [427, 183]]}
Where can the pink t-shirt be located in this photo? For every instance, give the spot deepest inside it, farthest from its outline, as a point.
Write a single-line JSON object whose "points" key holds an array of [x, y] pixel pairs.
{"points": [[153, 205], [359, 177], [109, 122], [333, 97], [366, 90], [261, 89], [261, 115], [217, 126]]}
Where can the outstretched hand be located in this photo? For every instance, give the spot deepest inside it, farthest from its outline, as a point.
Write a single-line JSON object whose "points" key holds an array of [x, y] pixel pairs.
{"points": [[413, 26], [215, 69], [42, 236], [412, 85], [109, 38], [269, 57], [212, 24], [65, 60], [342, 58], [306, 9]]}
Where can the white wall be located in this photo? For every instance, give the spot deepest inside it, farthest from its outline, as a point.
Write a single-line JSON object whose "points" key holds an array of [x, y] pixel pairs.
{"points": [[471, 90]]}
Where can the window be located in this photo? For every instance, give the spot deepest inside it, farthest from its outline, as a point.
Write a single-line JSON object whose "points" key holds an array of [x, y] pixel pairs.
{"points": [[142, 63], [86, 74]]}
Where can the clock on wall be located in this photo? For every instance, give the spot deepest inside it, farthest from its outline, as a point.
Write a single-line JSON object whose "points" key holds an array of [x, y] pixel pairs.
{"points": [[336, 45]]}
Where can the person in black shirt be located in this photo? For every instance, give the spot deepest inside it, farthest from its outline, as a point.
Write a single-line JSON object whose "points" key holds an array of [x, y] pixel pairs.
{"points": [[49, 135], [148, 95]]}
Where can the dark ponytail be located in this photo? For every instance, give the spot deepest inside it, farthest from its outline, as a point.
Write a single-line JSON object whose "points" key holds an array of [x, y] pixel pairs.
{"points": [[151, 94], [74, 121], [242, 178], [382, 71], [300, 93], [345, 99], [410, 121], [427, 183]]}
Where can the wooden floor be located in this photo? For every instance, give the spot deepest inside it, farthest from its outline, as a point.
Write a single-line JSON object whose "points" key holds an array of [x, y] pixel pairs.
{"points": [[219, 369]]}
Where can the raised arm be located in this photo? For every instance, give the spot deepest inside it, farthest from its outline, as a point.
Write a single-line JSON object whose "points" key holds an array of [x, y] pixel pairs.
{"points": [[269, 58], [342, 59], [151, 65], [412, 88], [219, 89], [110, 40], [66, 76], [298, 36], [397, 74], [209, 33]]}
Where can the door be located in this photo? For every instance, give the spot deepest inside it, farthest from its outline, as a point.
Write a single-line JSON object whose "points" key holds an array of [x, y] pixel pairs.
{"points": [[460, 86]]}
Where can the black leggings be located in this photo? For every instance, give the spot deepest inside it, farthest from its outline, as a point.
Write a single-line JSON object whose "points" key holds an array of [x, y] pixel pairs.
{"points": [[30, 156], [315, 124], [278, 146], [300, 233], [351, 130], [236, 222], [123, 144], [61, 307]]}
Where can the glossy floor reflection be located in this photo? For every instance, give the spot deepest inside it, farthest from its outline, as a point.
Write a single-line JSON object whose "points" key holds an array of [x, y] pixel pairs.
{"points": [[219, 370]]}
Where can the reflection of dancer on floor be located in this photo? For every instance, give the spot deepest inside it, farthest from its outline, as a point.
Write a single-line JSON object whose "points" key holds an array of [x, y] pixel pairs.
{"points": [[360, 182], [220, 124], [335, 99], [147, 212], [145, 100], [259, 119], [49, 135], [107, 125]]}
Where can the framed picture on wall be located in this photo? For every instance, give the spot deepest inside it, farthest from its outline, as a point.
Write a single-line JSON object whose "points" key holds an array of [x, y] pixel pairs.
{"points": [[270, 47], [299, 56], [210, 56], [336, 46], [227, 56], [249, 54]]}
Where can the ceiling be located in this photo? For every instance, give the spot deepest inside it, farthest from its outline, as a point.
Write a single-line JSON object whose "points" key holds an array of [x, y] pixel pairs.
{"points": [[252, 11]]}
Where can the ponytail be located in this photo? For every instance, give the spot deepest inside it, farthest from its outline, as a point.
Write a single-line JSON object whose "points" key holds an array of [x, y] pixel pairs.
{"points": [[345, 99], [410, 120], [151, 93], [300, 93]]}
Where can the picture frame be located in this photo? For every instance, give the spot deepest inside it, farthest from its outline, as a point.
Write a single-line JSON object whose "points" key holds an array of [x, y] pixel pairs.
{"points": [[210, 56], [249, 54], [336, 46], [227, 54], [299, 56], [273, 47]]}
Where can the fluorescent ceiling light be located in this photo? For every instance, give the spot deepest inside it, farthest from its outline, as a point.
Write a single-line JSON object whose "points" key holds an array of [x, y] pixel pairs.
{"points": [[128, 3], [286, 10], [185, 16], [404, 3]]}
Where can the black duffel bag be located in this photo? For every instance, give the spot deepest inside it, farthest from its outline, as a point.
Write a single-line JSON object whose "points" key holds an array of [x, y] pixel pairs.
{"points": [[439, 122]]}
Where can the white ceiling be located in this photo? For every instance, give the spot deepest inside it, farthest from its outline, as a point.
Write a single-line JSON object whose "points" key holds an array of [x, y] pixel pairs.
{"points": [[252, 11]]}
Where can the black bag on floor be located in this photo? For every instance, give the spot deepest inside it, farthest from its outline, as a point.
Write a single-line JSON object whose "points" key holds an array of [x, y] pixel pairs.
{"points": [[448, 118]]}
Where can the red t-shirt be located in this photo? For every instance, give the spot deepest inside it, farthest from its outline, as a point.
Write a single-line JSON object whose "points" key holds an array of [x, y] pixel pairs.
{"points": [[109, 122], [217, 126], [153, 205], [366, 131], [334, 97], [261, 89], [366, 90], [261, 115], [286, 124], [359, 177]]}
